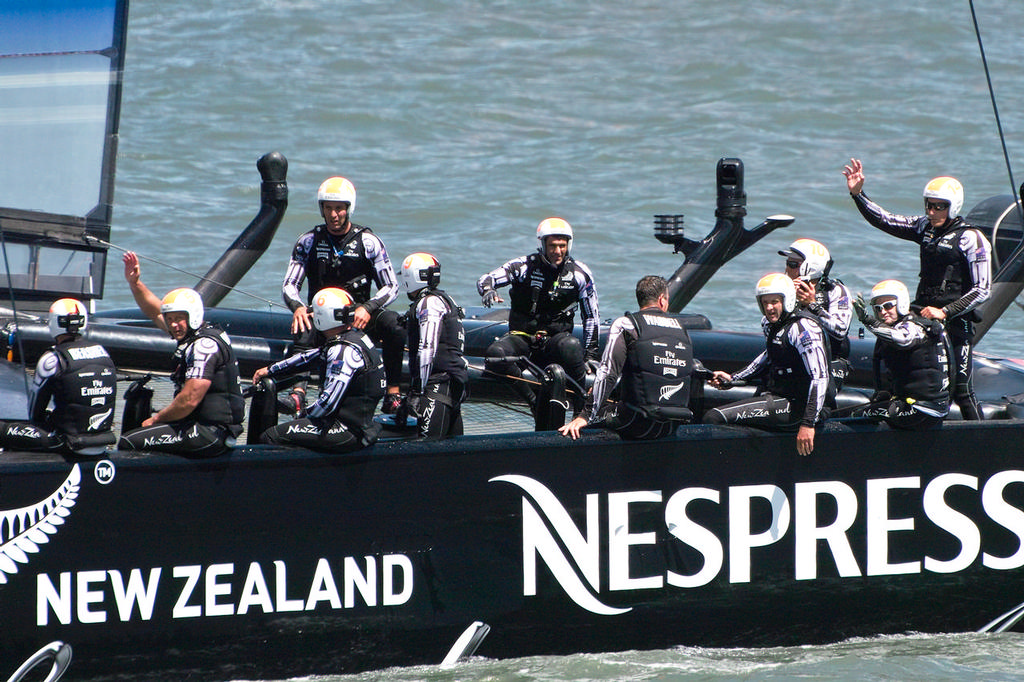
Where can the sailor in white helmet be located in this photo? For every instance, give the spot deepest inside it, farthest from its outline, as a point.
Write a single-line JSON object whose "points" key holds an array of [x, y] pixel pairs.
{"points": [[809, 264], [911, 360], [205, 416], [341, 418], [436, 350], [793, 369], [546, 287], [79, 377], [956, 267], [343, 254]]}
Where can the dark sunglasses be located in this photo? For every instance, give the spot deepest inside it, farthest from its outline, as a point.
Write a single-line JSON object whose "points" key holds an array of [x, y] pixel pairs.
{"points": [[936, 206], [794, 263], [888, 305]]}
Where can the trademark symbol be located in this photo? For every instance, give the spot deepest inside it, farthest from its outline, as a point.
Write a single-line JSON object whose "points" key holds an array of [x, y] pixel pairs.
{"points": [[104, 472]]}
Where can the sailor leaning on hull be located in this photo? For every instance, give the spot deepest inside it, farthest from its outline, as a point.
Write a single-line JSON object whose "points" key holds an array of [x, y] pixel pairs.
{"points": [[650, 355]]}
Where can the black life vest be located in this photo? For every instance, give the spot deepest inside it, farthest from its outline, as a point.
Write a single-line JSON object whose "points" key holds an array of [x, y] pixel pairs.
{"points": [[659, 364], [339, 262], [450, 356], [367, 386], [223, 404], [547, 300], [944, 271], [85, 391], [921, 372], [787, 376]]}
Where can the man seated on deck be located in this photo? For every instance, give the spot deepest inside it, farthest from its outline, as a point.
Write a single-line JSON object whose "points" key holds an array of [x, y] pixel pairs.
{"points": [[205, 416], [794, 367], [81, 379], [915, 351], [354, 382], [650, 351], [546, 288]]}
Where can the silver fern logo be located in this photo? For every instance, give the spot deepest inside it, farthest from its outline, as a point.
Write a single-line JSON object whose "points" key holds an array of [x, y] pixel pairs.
{"points": [[668, 391], [23, 530]]}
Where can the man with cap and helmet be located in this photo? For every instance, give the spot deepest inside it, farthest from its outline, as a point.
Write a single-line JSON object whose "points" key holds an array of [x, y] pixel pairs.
{"points": [[205, 416], [340, 253], [341, 418], [546, 287], [808, 264], [794, 369], [436, 346], [956, 267], [80, 379], [914, 395]]}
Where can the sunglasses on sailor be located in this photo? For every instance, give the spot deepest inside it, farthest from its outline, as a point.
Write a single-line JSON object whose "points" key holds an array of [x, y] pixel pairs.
{"points": [[885, 305], [793, 264], [936, 206]]}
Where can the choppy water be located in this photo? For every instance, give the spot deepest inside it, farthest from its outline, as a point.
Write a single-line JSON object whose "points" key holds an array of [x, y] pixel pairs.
{"points": [[463, 124]]}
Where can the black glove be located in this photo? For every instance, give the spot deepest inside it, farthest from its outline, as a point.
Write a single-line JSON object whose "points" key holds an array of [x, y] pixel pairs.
{"points": [[861, 310], [592, 366], [490, 297]]}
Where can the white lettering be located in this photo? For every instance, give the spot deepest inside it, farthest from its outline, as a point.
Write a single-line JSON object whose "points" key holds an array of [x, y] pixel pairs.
{"points": [[215, 589], [620, 540], [1006, 515], [538, 541], [87, 596], [281, 584], [694, 535], [953, 522], [807, 532], [366, 583], [880, 526], [741, 537], [137, 592], [181, 608], [323, 587], [392, 562], [47, 597], [255, 591]]}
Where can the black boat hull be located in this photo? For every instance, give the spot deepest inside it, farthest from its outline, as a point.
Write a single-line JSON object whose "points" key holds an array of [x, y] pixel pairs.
{"points": [[271, 562]]}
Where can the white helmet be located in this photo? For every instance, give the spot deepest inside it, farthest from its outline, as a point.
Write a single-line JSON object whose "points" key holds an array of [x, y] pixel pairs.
{"points": [[420, 270], [336, 189], [184, 301], [332, 307], [777, 283], [814, 257], [68, 316], [945, 188], [892, 287], [550, 227]]}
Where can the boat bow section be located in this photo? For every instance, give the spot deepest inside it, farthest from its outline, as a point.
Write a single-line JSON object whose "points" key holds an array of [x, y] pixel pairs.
{"points": [[273, 562]]}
